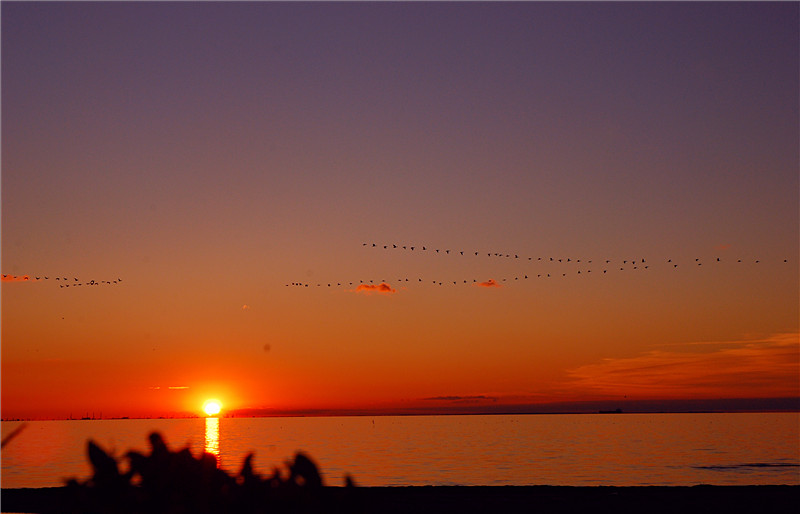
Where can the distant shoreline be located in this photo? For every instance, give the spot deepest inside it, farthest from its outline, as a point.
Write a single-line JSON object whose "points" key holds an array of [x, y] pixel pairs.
{"points": [[404, 414], [540, 498]]}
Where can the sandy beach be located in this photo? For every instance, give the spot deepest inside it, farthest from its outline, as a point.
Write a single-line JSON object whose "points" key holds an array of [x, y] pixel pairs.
{"points": [[561, 499]]}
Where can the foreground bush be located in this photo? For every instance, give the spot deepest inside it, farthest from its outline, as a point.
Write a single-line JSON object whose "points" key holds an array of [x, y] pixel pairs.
{"points": [[178, 482]]}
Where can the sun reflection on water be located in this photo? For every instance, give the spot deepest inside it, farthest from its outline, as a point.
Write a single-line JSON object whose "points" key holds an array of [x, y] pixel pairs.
{"points": [[212, 437]]}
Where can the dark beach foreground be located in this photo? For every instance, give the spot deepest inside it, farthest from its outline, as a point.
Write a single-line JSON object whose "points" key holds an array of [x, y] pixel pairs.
{"points": [[544, 499]]}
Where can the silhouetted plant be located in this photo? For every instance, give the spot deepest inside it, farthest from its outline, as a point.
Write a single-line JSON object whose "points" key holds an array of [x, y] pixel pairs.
{"points": [[178, 482]]}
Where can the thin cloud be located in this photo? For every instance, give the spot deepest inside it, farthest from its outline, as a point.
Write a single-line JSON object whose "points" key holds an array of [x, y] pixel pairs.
{"points": [[177, 387], [382, 288], [462, 399], [16, 278], [765, 368], [489, 283]]}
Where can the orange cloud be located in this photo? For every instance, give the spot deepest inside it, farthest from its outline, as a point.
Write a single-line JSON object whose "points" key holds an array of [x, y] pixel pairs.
{"points": [[489, 283], [15, 278], [382, 288], [745, 369]]}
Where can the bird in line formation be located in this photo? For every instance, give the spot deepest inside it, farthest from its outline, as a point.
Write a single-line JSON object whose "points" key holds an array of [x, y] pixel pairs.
{"points": [[607, 265], [697, 261], [65, 281]]}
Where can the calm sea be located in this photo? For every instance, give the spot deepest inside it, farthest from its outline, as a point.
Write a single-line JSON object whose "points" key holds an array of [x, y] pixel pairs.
{"points": [[581, 449]]}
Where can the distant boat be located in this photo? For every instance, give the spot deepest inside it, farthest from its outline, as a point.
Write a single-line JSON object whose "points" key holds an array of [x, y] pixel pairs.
{"points": [[615, 411]]}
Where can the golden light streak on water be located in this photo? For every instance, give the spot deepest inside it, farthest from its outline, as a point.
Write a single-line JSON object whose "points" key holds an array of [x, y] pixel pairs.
{"points": [[212, 437]]}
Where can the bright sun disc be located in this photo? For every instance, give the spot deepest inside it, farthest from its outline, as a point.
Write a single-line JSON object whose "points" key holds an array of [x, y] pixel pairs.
{"points": [[212, 407]]}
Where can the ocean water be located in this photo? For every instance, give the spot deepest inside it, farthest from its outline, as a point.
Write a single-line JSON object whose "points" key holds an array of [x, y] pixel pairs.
{"points": [[579, 450]]}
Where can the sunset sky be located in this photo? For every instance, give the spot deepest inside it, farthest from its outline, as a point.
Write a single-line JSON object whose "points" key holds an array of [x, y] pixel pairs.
{"points": [[208, 164]]}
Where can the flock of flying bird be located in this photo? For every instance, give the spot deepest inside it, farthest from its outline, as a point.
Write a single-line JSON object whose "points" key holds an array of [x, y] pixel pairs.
{"points": [[602, 266], [63, 281]]}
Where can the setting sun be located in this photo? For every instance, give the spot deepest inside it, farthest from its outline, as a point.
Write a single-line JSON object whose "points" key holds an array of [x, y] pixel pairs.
{"points": [[212, 407]]}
